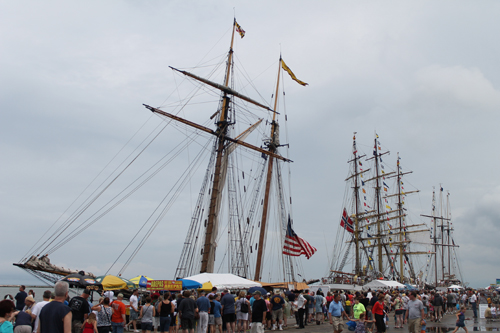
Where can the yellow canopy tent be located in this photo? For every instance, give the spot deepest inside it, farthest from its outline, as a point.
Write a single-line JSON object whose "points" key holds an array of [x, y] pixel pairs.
{"points": [[207, 286], [111, 282], [285, 285]]}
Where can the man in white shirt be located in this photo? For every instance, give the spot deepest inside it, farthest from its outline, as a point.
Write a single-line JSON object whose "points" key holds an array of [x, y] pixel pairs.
{"points": [[473, 302], [38, 307], [134, 310]]}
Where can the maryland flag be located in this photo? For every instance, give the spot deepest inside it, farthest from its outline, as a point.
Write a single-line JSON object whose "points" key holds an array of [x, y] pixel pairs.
{"points": [[286, 68], [239, 29]]}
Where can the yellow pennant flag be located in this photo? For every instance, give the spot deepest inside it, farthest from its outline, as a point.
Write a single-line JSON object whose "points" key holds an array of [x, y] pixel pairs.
{"points": [[289, 71], [239, 29]]}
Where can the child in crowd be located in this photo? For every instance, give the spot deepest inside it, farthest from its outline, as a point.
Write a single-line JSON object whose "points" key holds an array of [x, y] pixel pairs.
{"points": [[360, 324], [461, 320], [423, 326], [369, 319], [90, 325]]}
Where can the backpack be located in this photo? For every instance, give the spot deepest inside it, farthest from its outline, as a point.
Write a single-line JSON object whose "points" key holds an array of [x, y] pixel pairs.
{"points": [[244, 307]]}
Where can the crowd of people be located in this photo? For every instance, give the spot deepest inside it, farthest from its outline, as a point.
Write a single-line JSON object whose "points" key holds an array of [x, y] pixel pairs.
{"points": [[215, 312]]}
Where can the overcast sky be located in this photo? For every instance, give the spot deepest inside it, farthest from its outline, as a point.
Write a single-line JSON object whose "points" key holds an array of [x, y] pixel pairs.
{"points": [[423, 74]]}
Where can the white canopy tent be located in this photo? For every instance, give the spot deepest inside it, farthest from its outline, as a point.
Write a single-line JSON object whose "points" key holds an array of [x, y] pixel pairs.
{"points": [[455, 286], [222, 281], [383, 284]]}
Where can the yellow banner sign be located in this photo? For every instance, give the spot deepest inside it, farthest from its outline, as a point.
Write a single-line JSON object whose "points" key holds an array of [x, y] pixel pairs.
{"points": [[157, 285]]}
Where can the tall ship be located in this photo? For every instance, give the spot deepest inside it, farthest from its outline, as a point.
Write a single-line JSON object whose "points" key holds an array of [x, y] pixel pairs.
{"points": [[443, 265], [377, 237], [232, 144]]}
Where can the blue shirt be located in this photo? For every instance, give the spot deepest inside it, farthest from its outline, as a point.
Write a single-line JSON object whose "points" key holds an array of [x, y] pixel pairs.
{"points": [[228, 302], [217, 308], [277, 301], [203, 304], [252, 299], [336, 309]]}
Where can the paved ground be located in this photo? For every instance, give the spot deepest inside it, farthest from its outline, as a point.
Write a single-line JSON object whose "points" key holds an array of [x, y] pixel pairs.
{"points": [[446, 325]]}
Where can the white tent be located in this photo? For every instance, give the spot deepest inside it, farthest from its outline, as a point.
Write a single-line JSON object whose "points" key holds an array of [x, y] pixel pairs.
{"points": [[383, 284], [455, 286], [222, 281]]}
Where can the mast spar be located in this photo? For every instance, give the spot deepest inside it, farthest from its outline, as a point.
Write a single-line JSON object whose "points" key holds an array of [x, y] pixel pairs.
{"points": [[272, 145]]}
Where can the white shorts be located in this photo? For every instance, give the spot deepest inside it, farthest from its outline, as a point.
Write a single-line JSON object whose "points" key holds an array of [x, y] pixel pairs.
{"points": [[257, 328], [241, 316]]}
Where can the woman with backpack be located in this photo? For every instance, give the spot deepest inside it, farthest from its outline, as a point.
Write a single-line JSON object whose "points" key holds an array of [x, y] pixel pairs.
{"points": [[242, 309]]}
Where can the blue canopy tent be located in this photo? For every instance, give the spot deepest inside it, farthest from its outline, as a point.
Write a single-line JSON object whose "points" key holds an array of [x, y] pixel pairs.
{"points": [[190, 284]]}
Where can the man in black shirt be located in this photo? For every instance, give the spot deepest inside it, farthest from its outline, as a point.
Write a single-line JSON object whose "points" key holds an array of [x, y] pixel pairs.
{"points": [[259, 310], [187, 309], [80, 308], [55, 317]]}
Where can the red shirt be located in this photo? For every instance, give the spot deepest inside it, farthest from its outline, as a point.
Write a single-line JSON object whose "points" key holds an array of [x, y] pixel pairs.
{"points": [[118, 311], [378, 309]]}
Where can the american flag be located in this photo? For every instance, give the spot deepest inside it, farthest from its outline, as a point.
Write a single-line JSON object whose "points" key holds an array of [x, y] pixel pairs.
{"points": [[296, 246]]}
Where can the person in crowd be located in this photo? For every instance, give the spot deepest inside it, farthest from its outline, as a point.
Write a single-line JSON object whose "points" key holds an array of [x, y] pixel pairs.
{"points": [[203, 305], [217, 313], [118, 318], [335, 314], [438, 307], [378, 312], [7, 310], [90, 324], [228, 311], [80, 308], [173, 316], [301, 305], [415, 313], [165, 308], [20, 297], [104, 312], [259, 311], [242, 310], [277, 303], [287, 309], [23, 322], [187, 310], [473, 302], [307, 306], [360, 323], [156, 317], [319, 300], [311, 308], [146, 315], [369, 319], [38, 307], [460, 320], [358, 308], [134, 310], [397, 304], [55, 316], [28, 307]]}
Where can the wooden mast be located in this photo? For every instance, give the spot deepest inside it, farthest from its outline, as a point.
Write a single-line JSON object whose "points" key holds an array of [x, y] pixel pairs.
{"points": [[265, 209], [209, 246], [377, 197], [400, 206], [357, 268]]}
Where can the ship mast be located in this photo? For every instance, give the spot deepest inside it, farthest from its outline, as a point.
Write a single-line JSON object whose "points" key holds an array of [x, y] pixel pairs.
{"points": [[209, 246], [357, 268], [272, 145]]}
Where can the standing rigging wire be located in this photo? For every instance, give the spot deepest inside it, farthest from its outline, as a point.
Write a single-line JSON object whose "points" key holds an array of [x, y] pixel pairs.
{"points": [[83, 227], [85, 189], [104, 189], [77, 213], [182, 181]]}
